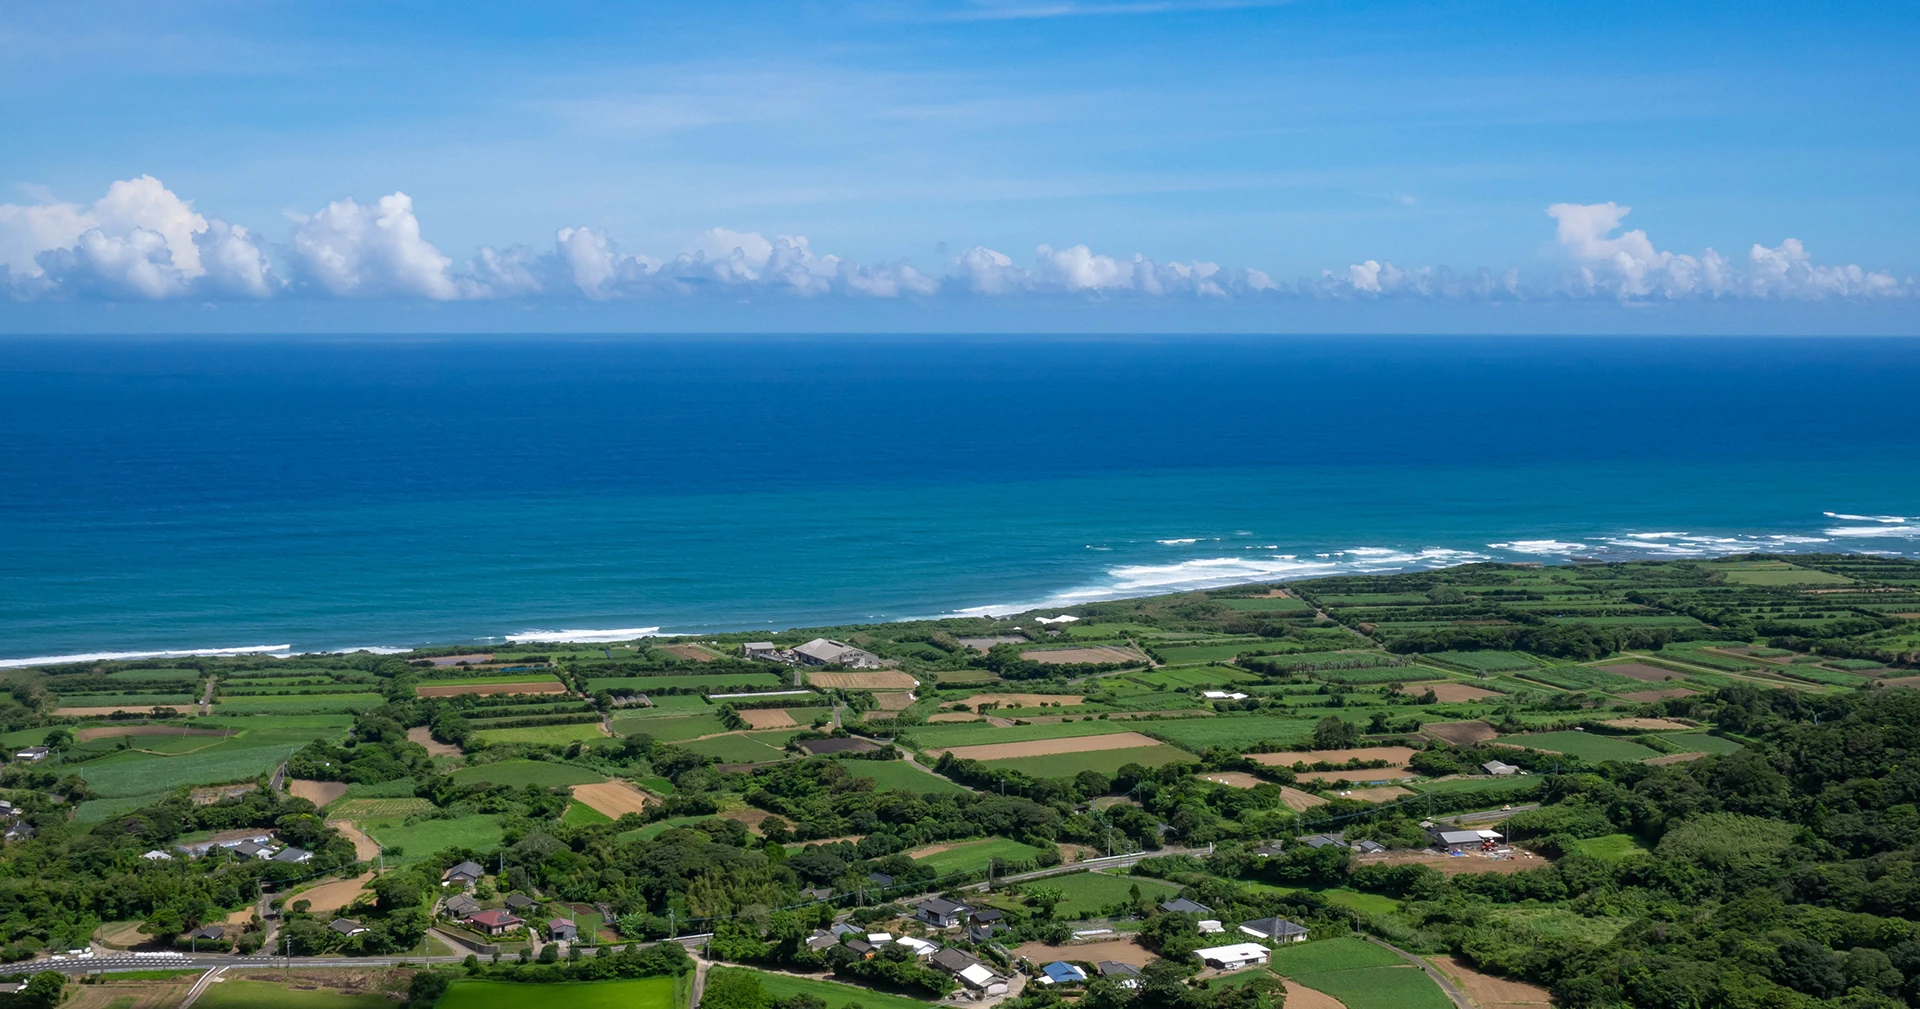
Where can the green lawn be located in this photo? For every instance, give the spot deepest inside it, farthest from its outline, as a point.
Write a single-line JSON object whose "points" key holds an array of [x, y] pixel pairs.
{"points": [[1266, 605], [889, 774], [134, 773], [551, 735], [1091, 892], [972, 856], [640, 993], [1066, 765], [579, 814], [426, 837], [1585, 745], [234, 993], [1360, 974], [527, 772], [1612, 847], [778, 986], [656, 785]]}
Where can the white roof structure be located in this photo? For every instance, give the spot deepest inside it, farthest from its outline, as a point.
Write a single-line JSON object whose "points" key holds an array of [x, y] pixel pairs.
{"points": [[920, 947], [1210, 927], [879, 937], [977, 976], [156, 855], [1235, 956], [1064, 618], [1223, 695], [826, 652]]}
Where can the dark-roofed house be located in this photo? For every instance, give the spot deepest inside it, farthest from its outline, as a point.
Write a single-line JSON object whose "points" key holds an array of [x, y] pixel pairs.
{"points": [[844, 744], [1369, 847], [459, 905], [984, 925], [562, 928], [818, 893], [251, 849], [822, 939], [1181, 905], [977, 977], [1116, 969], [1272, 850], [941, 912], [1276, 929], [207, 933], [293, 856], [494, 922], [1322, 841], [346, 926], [464, 874], [519, 902], [862, 947], [879, 879]]}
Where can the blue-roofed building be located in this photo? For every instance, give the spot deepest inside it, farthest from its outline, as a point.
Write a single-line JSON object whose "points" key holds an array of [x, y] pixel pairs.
{"points": [[1062, 972]]}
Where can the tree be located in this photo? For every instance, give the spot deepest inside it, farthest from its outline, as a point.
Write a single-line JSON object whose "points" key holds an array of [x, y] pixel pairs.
{"points": [[1334, 734], [733, 989], [44, 988], [425, 989], [1045, 898]]}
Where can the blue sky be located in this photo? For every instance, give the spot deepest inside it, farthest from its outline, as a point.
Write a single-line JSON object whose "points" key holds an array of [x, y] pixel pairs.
{"points": [[1272, 162]]}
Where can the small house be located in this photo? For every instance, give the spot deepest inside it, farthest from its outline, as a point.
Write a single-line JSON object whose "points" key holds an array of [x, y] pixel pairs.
{"points": [[879, 879], [1234, 957], [1061, 972], [562, 929], [1369, 847], [984, 925], [863, 948], [1323, 841], [1477, 840], [207, 933], [765, 650], [1271, 850], [20, 831], [818, 893], [224, 839], [1116, 969], [976, 977], [1499, 767], [32, 753], [824, 652], [921, 947], [1181, 905], [495, 922], [941, 913], [346, 926], [293, 856], [459, 906], [519, 902], [250, 849], [1275, 929], [465, 874], [822, 939], [1211, 926]]}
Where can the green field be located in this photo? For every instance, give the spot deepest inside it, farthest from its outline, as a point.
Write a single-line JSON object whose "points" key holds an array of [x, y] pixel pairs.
{"points": [[640, 993], [579, 814], [888, 774], [972, 856], [1502, 787], [527, 772], [1585, 745], [1774, 573], [132, 702], [709, 682], [1088, 893], [1702, 742], [668, 706], [1190, 677], [531, 676], [1611, 847], [425, 837], [296, 703], [550, 735], [1066, 765], [234, 993], [1359, 974], [135, 773], [1239, 731], [1492, 662], [1259, 604], [972, 733], [780, 986], [744, 748], [671, 729], [1177, 655]]}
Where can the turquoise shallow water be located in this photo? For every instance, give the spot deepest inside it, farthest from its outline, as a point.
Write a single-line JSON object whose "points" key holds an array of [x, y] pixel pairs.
{"points": [[335, 493]]}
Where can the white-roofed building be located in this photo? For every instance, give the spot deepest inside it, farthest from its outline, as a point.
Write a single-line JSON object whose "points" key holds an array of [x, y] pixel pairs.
{"points": [[1233, 957], [824, 652]]}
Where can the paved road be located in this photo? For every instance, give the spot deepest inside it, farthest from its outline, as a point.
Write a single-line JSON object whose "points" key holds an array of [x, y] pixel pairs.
{"points": [[115, 961], [1114, 862]]}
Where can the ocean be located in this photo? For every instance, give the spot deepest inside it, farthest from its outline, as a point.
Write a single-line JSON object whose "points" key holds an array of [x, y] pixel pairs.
{"points": [[308, 494]]}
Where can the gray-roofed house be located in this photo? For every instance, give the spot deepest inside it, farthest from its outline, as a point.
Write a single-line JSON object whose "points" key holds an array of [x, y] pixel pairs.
{"points": [[1272, 849], [825, 652], [346, 926], [1181, 905], [1499, 767], [1276, 929], [562, 928], [1116, 969], [293, 856], [1322, 841], [941, 912], [984, 925], [459, 905], [249, 849], [762, 650], [207, 933], [822, 939], [20, 831], [818, 893], [520, 901], [879, 879], [862, 947], [32, 753], [463, 874], [1369, 847]]}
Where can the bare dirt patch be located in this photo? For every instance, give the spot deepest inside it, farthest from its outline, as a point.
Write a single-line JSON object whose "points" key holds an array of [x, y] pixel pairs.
{"points": [[1299, 801], [111, 731], [1673, 758], [365, 848], [319, 793], [1449, 691], [893, 700], [875, 680], [753, 818], [768, 718], [435, 748], [1300, 996], [982, 644], [1022, 700], [1457, 865], [95, 712], [1650, 724], [1390, 754], [333, 896], [1643, 672], [1459, 733], [108, 992], [453, 689], [1487, 991], [242, 917], [1048, 747], [1078, 852], [1902, 681], [1649, 696], [207, 795], [1386, 794], [612, 797], [952, 716], [1123, 950], [474, 659], [1365, 774], [1237, 779], [692, 652], [1080, 656]]}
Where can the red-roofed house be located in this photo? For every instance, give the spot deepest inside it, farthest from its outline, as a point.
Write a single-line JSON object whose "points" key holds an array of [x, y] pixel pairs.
{"points": [[494, 922]]}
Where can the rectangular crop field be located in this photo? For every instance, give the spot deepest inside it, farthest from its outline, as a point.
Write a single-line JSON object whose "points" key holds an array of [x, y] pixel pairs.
{"points": [[135, 773], [296, 703], [670, 730], [550, 735], [1066, 765], [889, 774], [1237, 731], [518, 773], [1188, 677], [743, 748], [237, 993], [1092, 892], [969, 856], [423, 838], [967, 734], [710, 682], [1175, 655], [1267, 604], [1585, 745], [1400, 987], [1049, 747], [1488, 661], [781, 986], [639, 993], [668, 705]]}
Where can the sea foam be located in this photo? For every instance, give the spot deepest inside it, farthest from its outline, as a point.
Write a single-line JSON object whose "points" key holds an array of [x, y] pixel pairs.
{"points": [[275, 651], [582, 637]]}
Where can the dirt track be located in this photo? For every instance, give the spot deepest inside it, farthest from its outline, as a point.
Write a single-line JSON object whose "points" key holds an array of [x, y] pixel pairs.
{"points": [[1049, 747], [528, 687], [365, 848], [611, 797], [1487, 991], [768, 718]]}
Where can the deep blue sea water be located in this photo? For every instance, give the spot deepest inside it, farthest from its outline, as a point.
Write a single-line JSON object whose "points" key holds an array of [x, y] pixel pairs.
{"points": [[333, 493]]}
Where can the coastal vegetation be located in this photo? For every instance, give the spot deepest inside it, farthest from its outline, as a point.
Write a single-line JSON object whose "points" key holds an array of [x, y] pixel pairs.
{"points": [[1699, 772]]}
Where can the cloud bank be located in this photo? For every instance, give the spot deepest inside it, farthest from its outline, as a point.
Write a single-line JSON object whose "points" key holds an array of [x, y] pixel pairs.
{"points": [[141, 241]]}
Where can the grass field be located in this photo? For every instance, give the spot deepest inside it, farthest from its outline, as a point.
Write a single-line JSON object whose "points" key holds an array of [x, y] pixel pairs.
{"points": [[888, 774], [1089, 893], [1496, 788], [1066, 765], [1175, 655], [1612, 847], [639, 993], [1189, 677], [527, 772], [530, 676], [780, 986], [1261, 604], [377, 809], [296, 704], [1702, 742], [579, 814], [423, 838], [135, 773], [711, 682], [1235, 731], [972, 856], [234, 993], [1359, 974], [551, 735], [744, 748], [671, 729], [1585, 745], [1487, 661], [971, 733], [669, 706]]}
